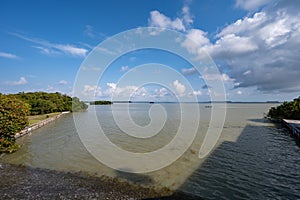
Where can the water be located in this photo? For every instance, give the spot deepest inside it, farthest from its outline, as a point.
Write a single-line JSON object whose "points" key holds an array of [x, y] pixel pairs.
{"points": [[253, 159]]}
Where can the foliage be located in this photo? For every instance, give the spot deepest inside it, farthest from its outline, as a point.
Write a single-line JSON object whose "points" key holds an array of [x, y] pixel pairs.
{"points": [[100, 103], [78, 105], [44, 103], [14, 109], [13, 118], [287, 110]]}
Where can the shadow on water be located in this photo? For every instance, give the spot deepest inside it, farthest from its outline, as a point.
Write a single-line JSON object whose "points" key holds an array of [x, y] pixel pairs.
{"points": [[141, 179], [259, 120], [133, 177], [262, 163], [281, 128]]}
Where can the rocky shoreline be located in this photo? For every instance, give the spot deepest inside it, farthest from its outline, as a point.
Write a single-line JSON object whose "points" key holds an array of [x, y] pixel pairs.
{"points": [[21, 182]]}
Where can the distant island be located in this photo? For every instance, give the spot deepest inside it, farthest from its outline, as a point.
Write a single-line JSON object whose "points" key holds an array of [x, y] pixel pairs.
{"points": [[101, 103], [272, 102], [287, 110]]}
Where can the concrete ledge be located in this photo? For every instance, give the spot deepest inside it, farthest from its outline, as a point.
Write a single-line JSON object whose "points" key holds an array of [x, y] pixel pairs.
{"points": [[294, 126], [37, 125]]}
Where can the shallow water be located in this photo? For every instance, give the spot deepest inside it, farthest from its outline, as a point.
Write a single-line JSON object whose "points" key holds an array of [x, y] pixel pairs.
{"points": [[253, 158]]}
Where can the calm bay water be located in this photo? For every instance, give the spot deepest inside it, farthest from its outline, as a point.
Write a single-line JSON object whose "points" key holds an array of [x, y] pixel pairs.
{"points": [[253, 158]]}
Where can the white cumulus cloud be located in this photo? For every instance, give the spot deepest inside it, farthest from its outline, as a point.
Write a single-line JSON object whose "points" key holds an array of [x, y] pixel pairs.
{"points": [[21, 81], [179, 88], [187, 17], [231, 45], [120, 92], [257, 49], [195, 38], [161, 93], [91, 91], [158, 19], [271, 45], [195, 93]]}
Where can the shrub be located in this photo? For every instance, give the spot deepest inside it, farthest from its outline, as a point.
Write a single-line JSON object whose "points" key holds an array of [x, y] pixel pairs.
{"points": [[287, 110], [13, 118]]}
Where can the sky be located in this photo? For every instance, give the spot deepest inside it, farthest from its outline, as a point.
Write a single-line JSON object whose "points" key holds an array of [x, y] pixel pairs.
{"points": [[255, 45]]}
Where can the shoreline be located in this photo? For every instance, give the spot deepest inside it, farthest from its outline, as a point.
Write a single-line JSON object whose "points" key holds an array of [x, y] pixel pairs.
{"points": [[20, 182], [39, 124]]}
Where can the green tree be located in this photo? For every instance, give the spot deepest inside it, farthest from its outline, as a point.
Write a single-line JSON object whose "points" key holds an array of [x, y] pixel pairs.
{"points": [[101, 103], [78, 105], [44, 103], [13, 118], [287, 110]]}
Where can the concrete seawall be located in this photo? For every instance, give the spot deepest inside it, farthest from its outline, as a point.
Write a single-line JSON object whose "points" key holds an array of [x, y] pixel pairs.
{"points": [[37, 125], [294, 126]]}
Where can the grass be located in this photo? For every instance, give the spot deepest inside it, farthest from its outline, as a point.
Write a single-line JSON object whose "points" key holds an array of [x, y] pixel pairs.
{"points": [[37, 118]]}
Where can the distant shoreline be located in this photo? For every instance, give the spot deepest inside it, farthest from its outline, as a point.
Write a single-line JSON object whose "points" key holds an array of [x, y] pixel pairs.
{"points": [[201, 102]]}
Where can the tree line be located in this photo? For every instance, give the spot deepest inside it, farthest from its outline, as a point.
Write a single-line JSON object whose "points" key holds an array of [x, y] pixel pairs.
{"points": [[101, 102], [287, 110], [15, 109], [43, 103]]}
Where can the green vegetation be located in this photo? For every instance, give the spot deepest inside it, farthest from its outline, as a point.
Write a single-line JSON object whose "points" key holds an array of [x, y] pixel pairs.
{"points": [[44, 103], [287, 110], [100, 103], [78, 105], [13, 118], [37, 118], [15, 109]]}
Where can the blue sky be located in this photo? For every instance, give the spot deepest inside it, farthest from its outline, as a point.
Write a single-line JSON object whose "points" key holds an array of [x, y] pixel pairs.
{"points": [[255, 45]]}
